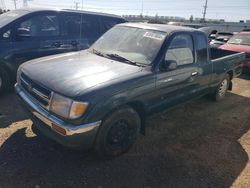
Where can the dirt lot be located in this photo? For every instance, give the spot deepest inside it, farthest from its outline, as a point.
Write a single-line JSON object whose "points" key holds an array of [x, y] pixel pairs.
{"points": [[200, 144]]}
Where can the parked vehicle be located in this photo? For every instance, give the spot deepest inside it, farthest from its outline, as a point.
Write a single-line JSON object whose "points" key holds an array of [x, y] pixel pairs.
{"points": [[100, 97], [240, 43], [31, 33], [220, 38]]}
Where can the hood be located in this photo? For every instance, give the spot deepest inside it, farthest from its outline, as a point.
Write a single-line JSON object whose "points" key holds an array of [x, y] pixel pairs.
{"points": [[73, 73], [237, 48]]}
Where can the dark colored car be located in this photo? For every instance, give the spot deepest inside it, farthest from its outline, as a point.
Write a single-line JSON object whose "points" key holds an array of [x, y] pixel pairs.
{"points": [[31, 33], [240, 43], [100, 97]]}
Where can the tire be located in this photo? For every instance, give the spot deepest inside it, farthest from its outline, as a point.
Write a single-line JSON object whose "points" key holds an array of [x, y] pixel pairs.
{"points": [[222, 89], [4, 81], [117, 133]]}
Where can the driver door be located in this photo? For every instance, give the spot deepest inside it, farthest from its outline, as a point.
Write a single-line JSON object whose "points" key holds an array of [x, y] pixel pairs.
{"points": [[176, 85]]}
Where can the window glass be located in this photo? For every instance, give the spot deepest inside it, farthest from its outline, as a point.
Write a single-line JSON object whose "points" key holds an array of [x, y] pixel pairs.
{"points": [[42, 25], [201, 47], [135, 44], [240, 39], [72, 24], [181, 50], [90, 26], [109, 23]]}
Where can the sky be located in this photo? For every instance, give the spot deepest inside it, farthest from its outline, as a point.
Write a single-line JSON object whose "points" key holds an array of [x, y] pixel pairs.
{"points": [[230, 10]]}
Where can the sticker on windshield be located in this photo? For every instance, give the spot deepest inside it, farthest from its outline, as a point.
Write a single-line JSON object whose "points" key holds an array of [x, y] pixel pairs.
{"points": [[12, 15], [156, 36]]}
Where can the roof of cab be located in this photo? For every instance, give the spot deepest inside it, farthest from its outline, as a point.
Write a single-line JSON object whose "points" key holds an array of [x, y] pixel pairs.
{"points": [[70, 10], [161, 27]]}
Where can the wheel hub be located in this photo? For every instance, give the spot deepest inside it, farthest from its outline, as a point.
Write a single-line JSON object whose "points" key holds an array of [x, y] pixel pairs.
{"points": [[223, 88], [118, 134]]}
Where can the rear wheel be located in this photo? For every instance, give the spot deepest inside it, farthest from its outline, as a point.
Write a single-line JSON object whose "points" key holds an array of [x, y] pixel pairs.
{"points": [[222, 88], [118, 133], [4, 81]]}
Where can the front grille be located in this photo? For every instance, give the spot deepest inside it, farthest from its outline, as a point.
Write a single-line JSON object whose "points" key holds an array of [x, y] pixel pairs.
{"points": [[37, 91]]}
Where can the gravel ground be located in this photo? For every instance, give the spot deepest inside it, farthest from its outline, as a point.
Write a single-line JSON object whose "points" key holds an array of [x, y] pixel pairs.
{"points": [[199, 144]]}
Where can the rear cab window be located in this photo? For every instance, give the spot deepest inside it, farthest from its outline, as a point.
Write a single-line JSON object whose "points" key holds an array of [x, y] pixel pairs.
{"points": [[201, 44]]}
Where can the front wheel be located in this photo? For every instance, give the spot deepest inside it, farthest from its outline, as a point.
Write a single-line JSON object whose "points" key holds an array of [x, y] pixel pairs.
{"points": [[222, 88], [118, 133]]}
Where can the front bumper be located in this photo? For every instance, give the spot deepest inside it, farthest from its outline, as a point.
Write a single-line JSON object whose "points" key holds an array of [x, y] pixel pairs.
{"points": [[73, 136]]}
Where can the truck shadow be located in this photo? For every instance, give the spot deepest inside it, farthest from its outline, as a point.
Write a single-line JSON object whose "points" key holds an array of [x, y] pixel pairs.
{"points": [[10, 110], [194, 145]]}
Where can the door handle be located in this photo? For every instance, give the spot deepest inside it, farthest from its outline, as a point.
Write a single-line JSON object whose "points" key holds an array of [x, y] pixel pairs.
{"points": [[194, 73]]}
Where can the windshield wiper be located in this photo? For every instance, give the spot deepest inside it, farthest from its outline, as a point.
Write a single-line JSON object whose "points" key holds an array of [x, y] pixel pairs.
{"points": [[124, 59], [97, 52]]}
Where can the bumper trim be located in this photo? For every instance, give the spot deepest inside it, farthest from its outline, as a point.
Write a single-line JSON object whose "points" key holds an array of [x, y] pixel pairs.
{"points": [[50, 119]]}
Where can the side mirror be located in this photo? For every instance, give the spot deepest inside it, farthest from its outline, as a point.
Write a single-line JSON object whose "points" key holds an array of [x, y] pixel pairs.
{"points": [[172, 65], [23, 33], [169, 65]]}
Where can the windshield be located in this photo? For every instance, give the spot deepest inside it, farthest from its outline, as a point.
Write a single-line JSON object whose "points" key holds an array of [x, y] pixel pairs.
{"points": [[240, 39], [10, 16], [133, 44]]}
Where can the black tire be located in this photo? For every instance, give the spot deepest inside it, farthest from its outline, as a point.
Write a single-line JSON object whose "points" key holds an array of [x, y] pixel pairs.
{"points": [[222, 88], [117, 133], [4, 81]]}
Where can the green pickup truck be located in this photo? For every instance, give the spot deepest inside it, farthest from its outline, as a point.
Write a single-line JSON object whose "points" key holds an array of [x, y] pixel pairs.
{"points": [[99, 98]]}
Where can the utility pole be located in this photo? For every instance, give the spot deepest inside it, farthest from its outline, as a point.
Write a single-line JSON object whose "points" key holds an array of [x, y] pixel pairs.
{"points": [[142, 4], [15, 3], [2, 4], [205, 11], [76, 5]]}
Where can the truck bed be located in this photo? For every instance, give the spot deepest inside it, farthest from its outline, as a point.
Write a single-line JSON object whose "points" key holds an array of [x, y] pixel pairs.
{"points": [[228, 60]]}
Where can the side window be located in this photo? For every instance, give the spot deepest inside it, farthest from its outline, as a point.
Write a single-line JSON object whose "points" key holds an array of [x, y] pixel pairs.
{"points": [[41, 25], [201, 48], [108, 23], [72, 23], [181, 50], [90, 26]]}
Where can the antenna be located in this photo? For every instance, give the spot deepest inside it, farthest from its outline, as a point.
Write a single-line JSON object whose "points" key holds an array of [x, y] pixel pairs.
{"points": [[205, 11]]}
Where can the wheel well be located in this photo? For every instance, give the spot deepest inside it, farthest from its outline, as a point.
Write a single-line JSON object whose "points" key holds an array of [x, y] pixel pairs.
{"points": [[140, 109], [230, 73]]}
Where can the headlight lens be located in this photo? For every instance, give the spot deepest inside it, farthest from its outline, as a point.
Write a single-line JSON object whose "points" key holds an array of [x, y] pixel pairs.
{"points": [[66, 107]]}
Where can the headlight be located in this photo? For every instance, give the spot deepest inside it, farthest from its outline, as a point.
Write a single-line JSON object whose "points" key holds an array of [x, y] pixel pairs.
{"points": [[66, 107]]}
